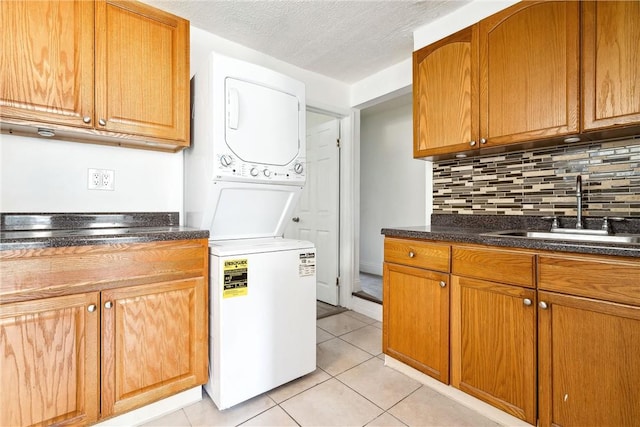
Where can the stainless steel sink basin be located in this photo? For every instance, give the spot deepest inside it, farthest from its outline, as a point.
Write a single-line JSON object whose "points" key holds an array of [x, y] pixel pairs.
{"points": [[565, 235]]}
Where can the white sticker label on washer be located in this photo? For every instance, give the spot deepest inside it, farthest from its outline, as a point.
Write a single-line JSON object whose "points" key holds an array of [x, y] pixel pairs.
{"points": [[307, 266]]}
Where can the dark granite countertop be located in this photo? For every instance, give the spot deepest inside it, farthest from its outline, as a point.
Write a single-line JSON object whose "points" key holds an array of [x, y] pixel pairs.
{"points": [[48, 230], [473, 229]]}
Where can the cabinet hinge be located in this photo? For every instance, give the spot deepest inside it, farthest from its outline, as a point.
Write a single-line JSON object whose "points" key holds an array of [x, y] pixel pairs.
{"points": [[338, 142], [337, 281]]}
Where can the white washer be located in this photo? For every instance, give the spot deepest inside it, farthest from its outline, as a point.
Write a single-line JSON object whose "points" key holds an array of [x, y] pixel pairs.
{"points": [[263, 316]]}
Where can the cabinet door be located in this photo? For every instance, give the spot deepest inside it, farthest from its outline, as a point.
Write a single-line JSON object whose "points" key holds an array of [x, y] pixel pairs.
{"points": [[154, 342], [416, 319], [529, 81], [610, 63], [142, 71], [46, 66], [445, 95], [49, 353], [589, 368], [493, 350]]}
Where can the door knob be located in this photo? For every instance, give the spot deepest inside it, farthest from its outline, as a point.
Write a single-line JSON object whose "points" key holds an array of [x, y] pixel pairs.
{"points": [[295, 219]]}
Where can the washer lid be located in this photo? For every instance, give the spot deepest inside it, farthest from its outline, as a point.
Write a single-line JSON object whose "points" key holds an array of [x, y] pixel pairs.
{"points": [[247, 211], [256, 246]]}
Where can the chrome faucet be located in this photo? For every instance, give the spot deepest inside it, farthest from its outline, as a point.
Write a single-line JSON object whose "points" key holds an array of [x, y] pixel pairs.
{"points": [[579, 200]]}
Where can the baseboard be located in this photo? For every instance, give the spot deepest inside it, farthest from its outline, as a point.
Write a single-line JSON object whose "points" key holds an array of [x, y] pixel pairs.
{"points": [[368, 308], [470, 402], [156, 409], [371, 267]]}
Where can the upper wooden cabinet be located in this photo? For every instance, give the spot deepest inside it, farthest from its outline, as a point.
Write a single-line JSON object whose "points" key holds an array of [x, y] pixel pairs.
{"points": [[444, 91], [512, 78], [610, 64], [46, 66], [142, 71], [104, 71], [529, 79]]}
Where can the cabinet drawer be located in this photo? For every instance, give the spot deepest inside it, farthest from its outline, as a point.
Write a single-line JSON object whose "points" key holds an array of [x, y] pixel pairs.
{"points": [[414, 253], [608, 278], [496, 265], [41, 273]]}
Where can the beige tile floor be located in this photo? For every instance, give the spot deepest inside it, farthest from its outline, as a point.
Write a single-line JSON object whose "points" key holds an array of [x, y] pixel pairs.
{"points": [[350, 387]]}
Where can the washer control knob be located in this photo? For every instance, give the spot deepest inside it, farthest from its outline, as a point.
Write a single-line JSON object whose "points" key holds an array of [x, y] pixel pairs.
{"points": [[254, 172], [298, 168], [266, 173], [225, 160]]}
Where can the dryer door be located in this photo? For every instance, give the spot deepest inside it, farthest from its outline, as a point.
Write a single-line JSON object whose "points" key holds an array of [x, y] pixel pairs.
{"points": [[262, 123]]}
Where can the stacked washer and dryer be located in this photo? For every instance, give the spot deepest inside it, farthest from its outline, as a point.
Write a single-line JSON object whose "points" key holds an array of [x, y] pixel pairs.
{"points": [[244, 174]]}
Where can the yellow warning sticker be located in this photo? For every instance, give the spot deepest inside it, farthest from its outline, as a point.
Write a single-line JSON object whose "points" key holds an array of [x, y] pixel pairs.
{"points": [[235, 278]]}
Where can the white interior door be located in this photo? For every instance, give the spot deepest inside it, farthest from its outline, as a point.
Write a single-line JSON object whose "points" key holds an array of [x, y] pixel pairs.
{"points": [[316, 217]]}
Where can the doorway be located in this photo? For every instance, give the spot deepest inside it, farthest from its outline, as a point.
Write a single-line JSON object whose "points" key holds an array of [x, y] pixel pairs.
{"points": [[392, 185]]}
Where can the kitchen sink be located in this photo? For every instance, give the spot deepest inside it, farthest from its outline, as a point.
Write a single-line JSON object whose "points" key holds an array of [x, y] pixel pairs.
{"points": [[576, 235]]}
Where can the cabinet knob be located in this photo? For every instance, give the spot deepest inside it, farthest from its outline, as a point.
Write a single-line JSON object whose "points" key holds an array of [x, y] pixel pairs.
{"points": [[108, 304], [91, 308], [483, 141], [102, 122], [443, 284], [86, 119], [543, 305], [411, 254], [472, 143], [527, 302]]}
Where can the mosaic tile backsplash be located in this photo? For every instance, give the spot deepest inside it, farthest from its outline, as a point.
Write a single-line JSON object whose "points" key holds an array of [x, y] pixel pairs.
{"points": [[543, 181]]}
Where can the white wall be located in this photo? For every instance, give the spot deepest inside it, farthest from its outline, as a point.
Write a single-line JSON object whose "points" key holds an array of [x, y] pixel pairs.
{"points": [[392, 183], [41, 175]]}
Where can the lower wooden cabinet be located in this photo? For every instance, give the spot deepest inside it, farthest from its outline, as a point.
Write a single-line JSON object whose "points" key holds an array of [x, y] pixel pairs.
{"points": [[589, 362], [153, 342], [416, 318], [141, 334], [50, 361], [493, 344], [552, 338]]}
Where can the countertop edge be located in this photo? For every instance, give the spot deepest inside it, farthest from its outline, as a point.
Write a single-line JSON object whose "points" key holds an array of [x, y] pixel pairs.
{"points": [[138, 237], [476, 236]]}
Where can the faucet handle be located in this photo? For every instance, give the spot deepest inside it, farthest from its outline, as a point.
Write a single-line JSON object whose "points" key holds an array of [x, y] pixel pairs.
{"points": [[555, 223], [606, 221]]}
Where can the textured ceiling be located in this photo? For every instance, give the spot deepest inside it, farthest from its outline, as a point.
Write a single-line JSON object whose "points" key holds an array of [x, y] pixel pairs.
{"points": [[345, 40]]}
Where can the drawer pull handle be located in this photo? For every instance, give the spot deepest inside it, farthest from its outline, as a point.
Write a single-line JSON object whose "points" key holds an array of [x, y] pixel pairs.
{"points": [[543, 305], [91, 308], [411, 254], [527, 302], [108, 304], [443, 284]]}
